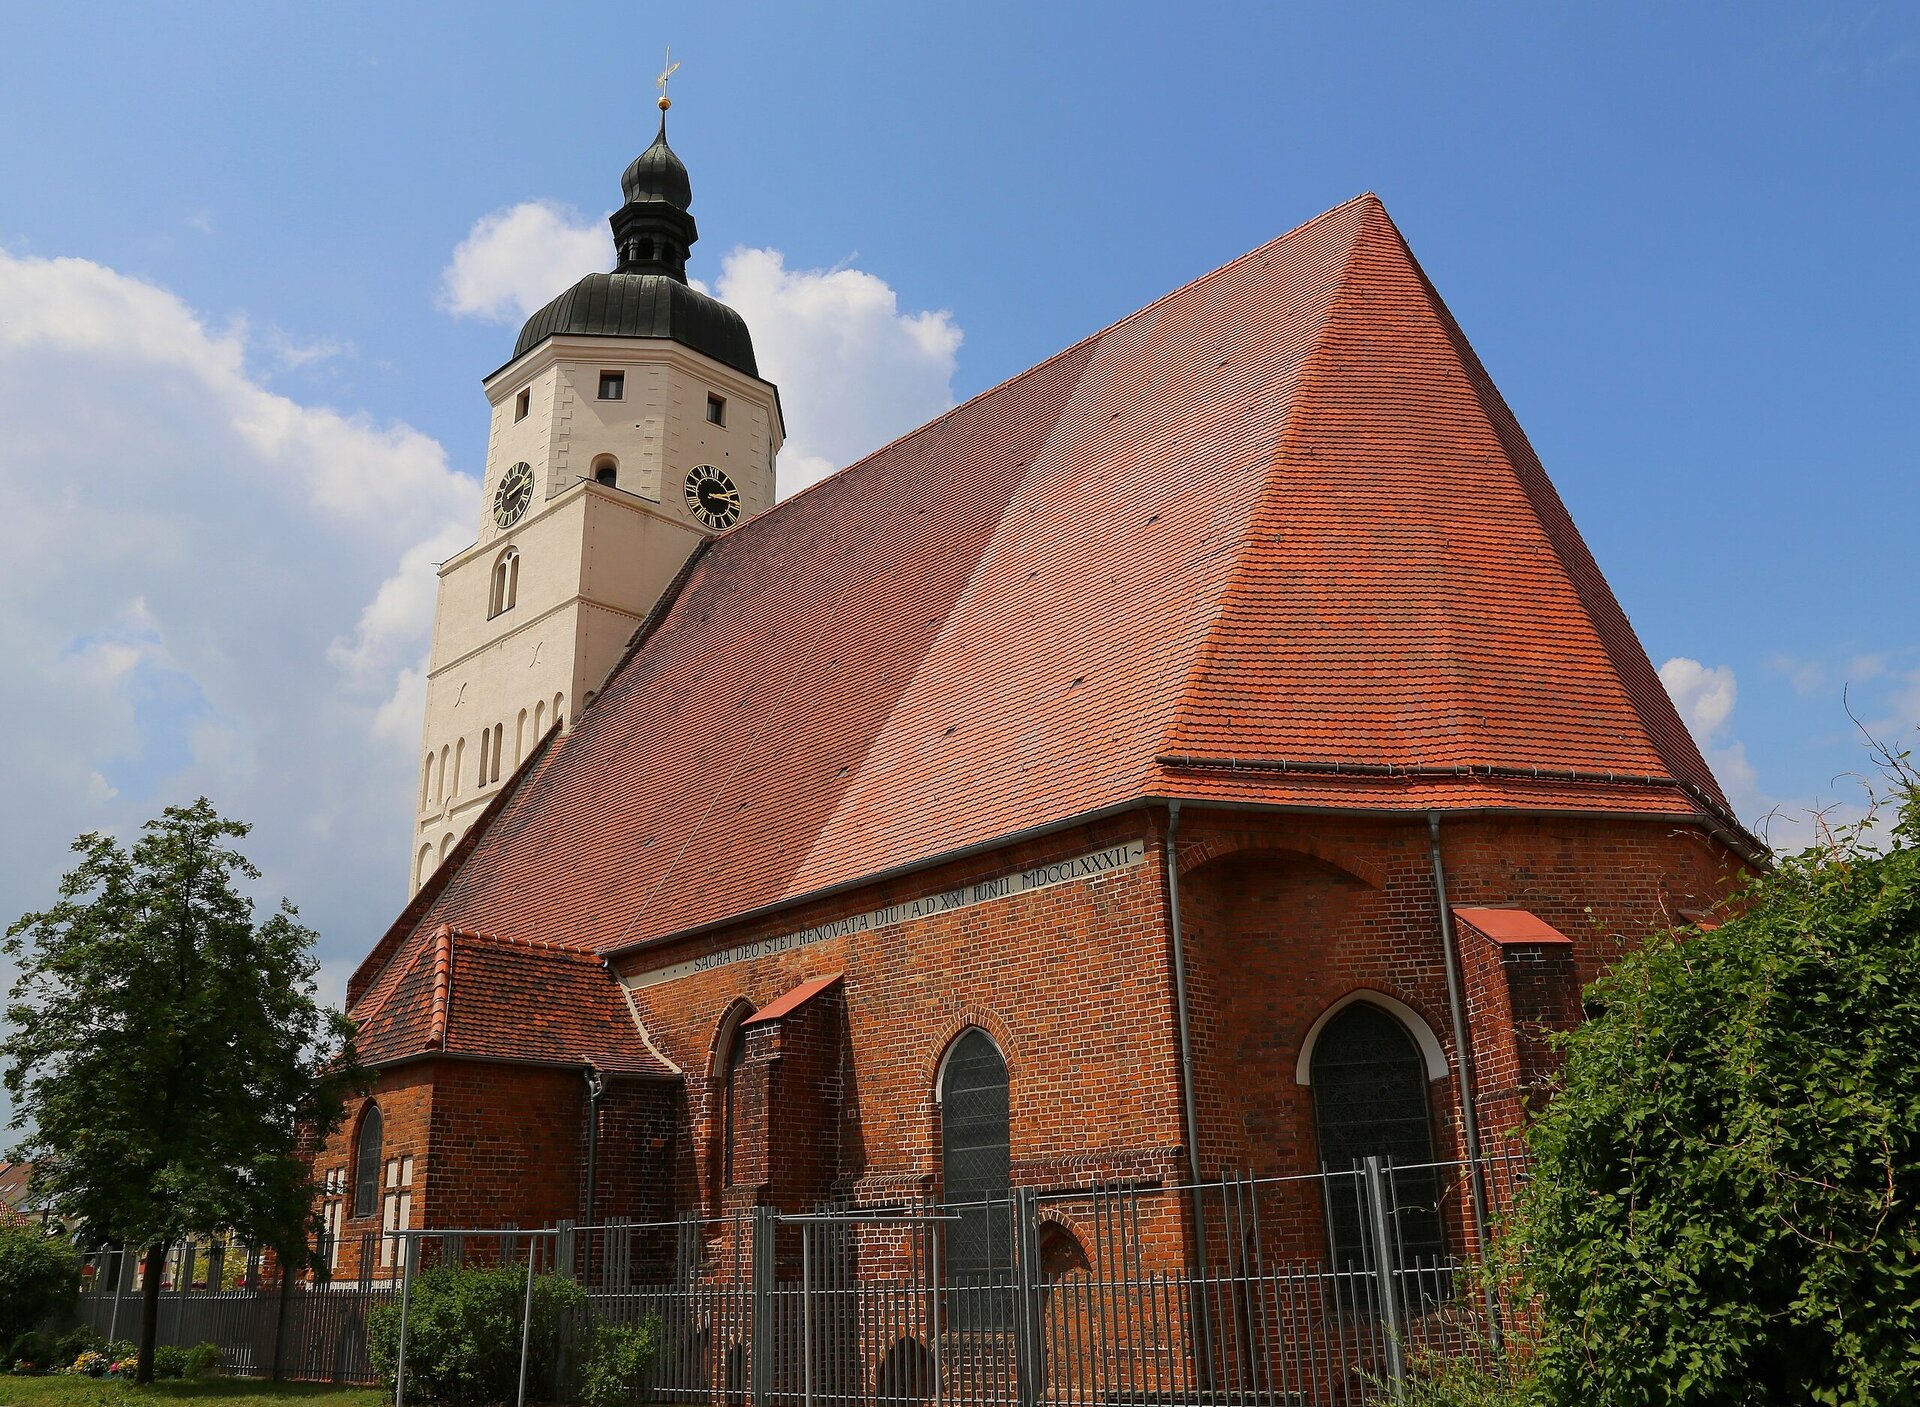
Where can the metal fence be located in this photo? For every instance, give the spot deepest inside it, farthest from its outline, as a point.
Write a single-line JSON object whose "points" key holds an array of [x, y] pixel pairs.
{"points": [[1321, 1289]]}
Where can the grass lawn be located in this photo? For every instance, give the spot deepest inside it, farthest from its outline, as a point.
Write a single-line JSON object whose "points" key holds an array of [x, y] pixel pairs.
{"points": [[62, 1391]]}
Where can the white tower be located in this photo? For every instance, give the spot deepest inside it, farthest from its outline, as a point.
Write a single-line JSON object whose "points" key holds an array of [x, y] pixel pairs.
{"points": [[630, 423]]}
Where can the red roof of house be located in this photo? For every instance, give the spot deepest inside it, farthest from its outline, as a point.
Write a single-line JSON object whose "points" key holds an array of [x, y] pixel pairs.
{"points": [[1275, 538]]}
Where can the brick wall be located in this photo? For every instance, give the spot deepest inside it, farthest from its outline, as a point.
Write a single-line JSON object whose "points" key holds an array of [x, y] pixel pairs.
{"points": [[1284, 915]]}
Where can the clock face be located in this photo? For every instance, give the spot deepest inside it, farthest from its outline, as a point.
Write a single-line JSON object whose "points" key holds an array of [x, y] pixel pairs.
{"points": [[510, 500], [712, 498]]}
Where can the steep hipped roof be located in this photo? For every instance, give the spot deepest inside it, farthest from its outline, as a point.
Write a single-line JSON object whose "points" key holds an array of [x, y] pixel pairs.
{"points": [[1274, 538]]}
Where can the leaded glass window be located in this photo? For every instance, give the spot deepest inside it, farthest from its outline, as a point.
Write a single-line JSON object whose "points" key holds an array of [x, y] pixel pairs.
{"points": [[975, 1157], [366, 1166], [1370, 1100]]}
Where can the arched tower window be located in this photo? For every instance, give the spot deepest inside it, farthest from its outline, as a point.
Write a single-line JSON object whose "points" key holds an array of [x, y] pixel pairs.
{"points": [[606, 470], [440, 780], [1370, 1100], [366, 1163], [975, 1155], [559, 709], [499, 737], [426, 781], [486, 749], [506, 582], [540, 719], [459, 765], [426, 864], [520, 738]]}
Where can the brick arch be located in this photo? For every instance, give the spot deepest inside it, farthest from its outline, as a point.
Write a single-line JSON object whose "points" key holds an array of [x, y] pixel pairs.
{"points": [[1426, 1036], [1207, 848], [737, 1010], [989, 1021], [710, 1134]]}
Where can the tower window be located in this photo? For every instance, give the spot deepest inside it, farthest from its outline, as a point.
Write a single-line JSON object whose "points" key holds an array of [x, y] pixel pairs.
{"points": [[716, 410], [522, 403], [506, 582], [606, 470], [613, 385]]}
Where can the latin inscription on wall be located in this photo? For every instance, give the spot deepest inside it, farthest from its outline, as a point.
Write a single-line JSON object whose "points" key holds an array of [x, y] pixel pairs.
{"points": [[1101, 862]]}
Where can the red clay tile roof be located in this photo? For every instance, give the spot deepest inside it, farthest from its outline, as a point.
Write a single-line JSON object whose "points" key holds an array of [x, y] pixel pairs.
{"points": [[1511, 925], [477, 995], [792, 1001], [1274, 538]]}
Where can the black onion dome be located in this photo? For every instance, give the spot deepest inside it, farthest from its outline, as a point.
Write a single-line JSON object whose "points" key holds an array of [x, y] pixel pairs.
{"points": [[657, 174], [644, 305]]}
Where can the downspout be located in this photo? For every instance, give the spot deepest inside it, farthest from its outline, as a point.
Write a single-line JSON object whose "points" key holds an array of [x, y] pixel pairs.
{"points": [[1462, 1064], [1189, 1112], [595, 1084]]}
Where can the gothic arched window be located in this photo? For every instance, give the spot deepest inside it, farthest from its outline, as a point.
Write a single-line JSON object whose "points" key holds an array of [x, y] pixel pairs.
{"points": [[733, 1118], [976, 1155], [1370, 1100], [366, 1163]]}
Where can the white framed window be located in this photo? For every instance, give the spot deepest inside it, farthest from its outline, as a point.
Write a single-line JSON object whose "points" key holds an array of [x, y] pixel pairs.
{"points": [[613, 385]]}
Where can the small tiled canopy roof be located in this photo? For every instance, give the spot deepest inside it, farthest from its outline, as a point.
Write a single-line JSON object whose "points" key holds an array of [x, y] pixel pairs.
{"points": [[1275, 538], [476, 995]]}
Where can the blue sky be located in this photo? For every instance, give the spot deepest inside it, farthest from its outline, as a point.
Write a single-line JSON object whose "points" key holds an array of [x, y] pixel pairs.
{"points": [[240, 357]]}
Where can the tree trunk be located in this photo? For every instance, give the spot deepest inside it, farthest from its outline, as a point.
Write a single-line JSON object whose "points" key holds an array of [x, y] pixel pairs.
{"points": [[156, 1265]]}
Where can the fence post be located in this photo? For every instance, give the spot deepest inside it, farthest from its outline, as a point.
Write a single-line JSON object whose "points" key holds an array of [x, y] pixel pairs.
{"points": [[760, 1350], [526, 1325], [1385, 1265], [120, 1267], [409, 1254], [1026, 1282]]}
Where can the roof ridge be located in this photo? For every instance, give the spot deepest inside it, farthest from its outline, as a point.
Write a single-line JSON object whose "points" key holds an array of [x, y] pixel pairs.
{"points": [[508, 940], [1310, 368]]}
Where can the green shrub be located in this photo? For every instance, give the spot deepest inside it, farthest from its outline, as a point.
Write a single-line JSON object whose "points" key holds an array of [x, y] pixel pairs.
{"points": [[39, 1277], [34, 1352], [74, 1342], [204, 1360], [463, 1334], [169, 1361], [619, 1359]]}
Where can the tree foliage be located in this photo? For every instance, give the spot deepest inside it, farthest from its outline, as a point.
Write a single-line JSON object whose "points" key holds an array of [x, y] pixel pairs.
{"points": [[39, 1276], [1723, 1201], [167, 1057]]}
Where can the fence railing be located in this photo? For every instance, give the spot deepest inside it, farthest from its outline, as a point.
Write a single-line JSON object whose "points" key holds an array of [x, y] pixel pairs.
{"points": [[1322, 1289]]}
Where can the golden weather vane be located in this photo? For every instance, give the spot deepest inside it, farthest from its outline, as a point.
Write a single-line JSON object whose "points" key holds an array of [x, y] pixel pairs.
{"points": [[661, 82]]}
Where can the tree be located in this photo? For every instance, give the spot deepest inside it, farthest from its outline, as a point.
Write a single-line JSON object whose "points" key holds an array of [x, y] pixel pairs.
{"points": [[167, 1054], [1723, 1205]]}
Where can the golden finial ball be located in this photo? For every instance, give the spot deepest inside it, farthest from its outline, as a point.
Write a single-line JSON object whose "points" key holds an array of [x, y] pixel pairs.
{"points": [[665, 102]]}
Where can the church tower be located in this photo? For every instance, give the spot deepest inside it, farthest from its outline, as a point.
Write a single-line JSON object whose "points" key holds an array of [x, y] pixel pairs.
{"points": [[630, 423]]}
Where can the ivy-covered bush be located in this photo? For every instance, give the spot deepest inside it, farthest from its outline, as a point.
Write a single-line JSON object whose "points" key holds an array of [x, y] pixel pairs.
{"points": [[463, 1334], [619, 1362], [1725, 1205], [39, 1277]]}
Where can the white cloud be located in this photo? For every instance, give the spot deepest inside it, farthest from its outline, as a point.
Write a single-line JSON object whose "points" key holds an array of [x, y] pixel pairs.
{"points": [[1705, 696], [211, 588], [854, 371], [515, 260]]}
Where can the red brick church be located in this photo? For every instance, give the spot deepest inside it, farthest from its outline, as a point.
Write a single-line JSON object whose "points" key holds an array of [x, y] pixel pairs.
{"points": [[1211, 750]]}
